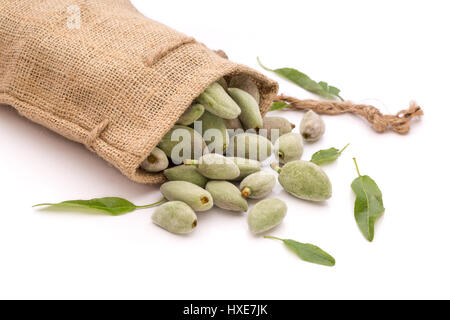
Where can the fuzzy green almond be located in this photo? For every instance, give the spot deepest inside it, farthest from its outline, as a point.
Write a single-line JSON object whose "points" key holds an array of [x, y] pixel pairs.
{"points": [[217, 101], [246, 167], [250, 146], [312, 127], [197, 198], [176, 217], [289, 147], [258, 185], [250, 114], [266, 215], [188, 144], [304, 180], [186, 173], [156, 162], [216, 167], [192, 114], [271, 124], [214, 131], [227, 196]]}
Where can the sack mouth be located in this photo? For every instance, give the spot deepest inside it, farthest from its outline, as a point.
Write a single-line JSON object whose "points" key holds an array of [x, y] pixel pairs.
{"points": [[103, 93], [224, 68]]}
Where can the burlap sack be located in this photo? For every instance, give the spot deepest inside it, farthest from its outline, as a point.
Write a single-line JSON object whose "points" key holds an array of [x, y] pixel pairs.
{"points": [[117, 82]]}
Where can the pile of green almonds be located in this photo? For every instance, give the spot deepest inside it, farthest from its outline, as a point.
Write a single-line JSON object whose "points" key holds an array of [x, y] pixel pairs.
{"points": [[222, 165]]}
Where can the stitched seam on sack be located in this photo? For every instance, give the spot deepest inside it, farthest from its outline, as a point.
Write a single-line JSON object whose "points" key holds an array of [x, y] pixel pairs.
{"points": [[87, 131]]}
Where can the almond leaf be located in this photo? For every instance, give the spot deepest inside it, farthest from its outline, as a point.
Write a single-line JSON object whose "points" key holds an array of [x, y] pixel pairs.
{"points": [[326, 156], [308, 252], [368, 204], [111, 205], [322, 89]]}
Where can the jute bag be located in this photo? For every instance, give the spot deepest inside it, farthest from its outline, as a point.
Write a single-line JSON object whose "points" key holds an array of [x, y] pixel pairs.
{"points": [[109, 78]]}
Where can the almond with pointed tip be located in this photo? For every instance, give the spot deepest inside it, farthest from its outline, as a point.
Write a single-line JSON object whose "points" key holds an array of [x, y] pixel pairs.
{"points": [[197, 198], [217, 101], [250, 116], [276, 123], [227, 196], [176, 217], [312, 127]]}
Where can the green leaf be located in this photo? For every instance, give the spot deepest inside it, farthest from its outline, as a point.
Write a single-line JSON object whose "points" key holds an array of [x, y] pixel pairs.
{"points": [[322, 89], [114, 206], [368, 204], [308, 252], [331, 90], [278, 106], [326, 156]]}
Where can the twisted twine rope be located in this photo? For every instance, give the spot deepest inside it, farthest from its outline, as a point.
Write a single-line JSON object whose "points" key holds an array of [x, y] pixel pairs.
{"points": [[400, 123]]}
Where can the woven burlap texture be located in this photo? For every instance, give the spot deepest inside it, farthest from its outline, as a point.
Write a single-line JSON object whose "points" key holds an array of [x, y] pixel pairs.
{"points": [[117, 83]]}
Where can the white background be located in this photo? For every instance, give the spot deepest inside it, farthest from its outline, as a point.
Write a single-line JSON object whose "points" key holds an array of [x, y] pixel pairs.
{"points": [[380, 52]]}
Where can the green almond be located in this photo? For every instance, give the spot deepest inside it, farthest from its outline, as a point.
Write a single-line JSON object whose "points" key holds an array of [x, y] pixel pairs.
{"points": [[214, 131], [271, 124], [246, 167], [176, 217], [289, 147], [186, 173], [216, 167], [250, 116], [197, 198], [182, 143], [250, 146], [217, 101], [304, 180], [227, 196], [192, 114], [258, 185], [266, 215], [312, 127], [156, 162]]}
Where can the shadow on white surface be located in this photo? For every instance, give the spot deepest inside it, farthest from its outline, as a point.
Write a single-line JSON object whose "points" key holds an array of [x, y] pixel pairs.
{"points": [[42, 154]]}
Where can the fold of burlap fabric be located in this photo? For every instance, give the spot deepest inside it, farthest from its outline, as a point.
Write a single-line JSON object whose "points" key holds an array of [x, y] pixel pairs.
{"points": [[116, 82]]}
